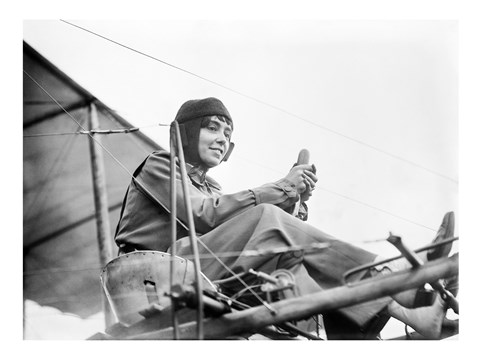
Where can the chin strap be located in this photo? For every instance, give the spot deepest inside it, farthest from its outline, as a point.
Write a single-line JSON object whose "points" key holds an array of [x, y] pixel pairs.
{"points": [[183, 134], [229, 151]]}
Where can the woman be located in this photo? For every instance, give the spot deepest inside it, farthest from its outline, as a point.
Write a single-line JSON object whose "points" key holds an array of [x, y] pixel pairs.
{"points": [[254, 219]]}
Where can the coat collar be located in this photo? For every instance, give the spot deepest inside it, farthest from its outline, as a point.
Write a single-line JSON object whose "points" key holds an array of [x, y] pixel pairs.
{"points": [[200, 177], [196, 174]]}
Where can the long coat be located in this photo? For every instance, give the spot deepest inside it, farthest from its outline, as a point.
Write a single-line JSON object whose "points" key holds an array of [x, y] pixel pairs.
{"points": [[252, 219]]}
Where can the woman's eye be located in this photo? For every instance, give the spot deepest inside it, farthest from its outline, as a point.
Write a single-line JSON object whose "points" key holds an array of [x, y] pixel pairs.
{"points": [[212, 127]]}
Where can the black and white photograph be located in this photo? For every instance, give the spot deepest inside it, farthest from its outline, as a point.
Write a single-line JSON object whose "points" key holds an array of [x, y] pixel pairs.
{"points": [[242, 178]]}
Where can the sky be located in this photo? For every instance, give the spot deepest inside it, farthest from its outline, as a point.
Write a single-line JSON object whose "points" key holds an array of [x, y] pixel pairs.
{"points": [[391, 85]]}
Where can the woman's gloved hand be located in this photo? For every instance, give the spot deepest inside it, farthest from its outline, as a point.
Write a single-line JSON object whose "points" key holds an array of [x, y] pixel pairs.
{"points": [[303, 177]]}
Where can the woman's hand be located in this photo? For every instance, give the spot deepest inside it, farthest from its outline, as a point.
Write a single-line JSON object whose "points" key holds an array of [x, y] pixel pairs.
{"points": [[310, 181], [303, 178]]}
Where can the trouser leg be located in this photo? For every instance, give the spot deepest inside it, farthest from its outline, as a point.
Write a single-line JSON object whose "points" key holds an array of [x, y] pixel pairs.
{"points": [[269, 227]]}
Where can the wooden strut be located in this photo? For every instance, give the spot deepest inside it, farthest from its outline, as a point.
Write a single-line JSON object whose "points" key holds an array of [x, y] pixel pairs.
{"points": [[191, 230], [173, 224], [254, 319], [101, 204]]}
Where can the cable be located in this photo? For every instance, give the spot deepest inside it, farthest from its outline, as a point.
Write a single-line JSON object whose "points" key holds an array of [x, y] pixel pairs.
{"points": [[78, 123], [272, 310], [360, 142], [350, 198], [52, 134], [134, 140], [244, 290], [377, 208], [248, 253], [97, 131]]}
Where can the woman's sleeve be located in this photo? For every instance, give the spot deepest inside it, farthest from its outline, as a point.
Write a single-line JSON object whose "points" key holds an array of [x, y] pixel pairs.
{"points": [[210, 211]]}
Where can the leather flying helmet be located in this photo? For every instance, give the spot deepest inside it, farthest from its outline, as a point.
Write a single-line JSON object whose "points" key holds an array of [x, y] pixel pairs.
{"points": [[189, 118]]}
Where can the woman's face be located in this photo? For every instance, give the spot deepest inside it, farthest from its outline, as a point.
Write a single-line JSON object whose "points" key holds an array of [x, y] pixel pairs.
{"points": [[213, 142]]}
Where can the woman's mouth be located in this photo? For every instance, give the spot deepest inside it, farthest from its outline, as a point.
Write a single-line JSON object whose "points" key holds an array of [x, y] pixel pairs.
{"points": [[217, 150]]}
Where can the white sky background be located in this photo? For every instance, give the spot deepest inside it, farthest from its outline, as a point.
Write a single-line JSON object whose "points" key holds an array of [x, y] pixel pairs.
{"points": [[335, 215], [391, 85]]}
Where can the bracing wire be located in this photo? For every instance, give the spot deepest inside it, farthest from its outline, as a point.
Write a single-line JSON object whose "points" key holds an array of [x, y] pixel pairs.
{"points": [[211, 255], [289, 113], [96, 131], [354, 200], [237, 277], [134, 140], [52, 134], [78, 123], [376, 208]]}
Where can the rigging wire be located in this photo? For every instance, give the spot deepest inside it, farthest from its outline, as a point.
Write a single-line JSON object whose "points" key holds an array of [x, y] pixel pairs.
{"points": [[376, 208], [323, 127], [52, 134], [351, 199], [134, 140], [78, 123], [227, 254], [237, 277], [97, 131]]}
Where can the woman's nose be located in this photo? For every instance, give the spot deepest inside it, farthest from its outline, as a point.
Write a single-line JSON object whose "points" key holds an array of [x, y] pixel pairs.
{"points": [[221, 139]]}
